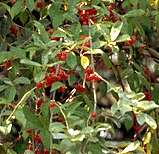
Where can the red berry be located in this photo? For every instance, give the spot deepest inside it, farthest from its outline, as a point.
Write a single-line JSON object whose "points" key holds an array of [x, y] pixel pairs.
{"points": [[38, 151], [46, 151], [52, 105], [14, 29], [40, 4], [30, 147], [88, 70], [13, 1], [93, 115], [79, 88], [148, 95], [49, 80], [91, 11], [38, 102], [40, 85], [92, 77], [111, 7], [137, 128], [62, 56], [29, 131], [62, 75], [50, 31], [131, 41], [7, 64], [37, 138], [62, 89], [57, 38], [52, 69]]}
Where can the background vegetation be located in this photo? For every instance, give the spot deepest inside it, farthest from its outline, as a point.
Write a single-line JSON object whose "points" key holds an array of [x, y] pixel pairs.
{"points": [[79, 76]]}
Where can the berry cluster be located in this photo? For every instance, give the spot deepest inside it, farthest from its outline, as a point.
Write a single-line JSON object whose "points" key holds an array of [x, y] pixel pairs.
{"points": [[90, 75], [87, 16], [111, 17]]}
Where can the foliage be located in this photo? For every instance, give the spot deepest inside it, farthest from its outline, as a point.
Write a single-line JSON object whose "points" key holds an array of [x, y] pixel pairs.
{"points": [[79, 76]]}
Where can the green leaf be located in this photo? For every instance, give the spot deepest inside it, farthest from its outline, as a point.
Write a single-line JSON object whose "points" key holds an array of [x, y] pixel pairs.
{"points": [[106, 60], [10, 93], [115, 30], [45, 135], [135, 13], [41, 31], [3, 100], [20, 116], [30, 4], [22, 80], [39, 74], [3, 87], [45, 110], [147, 105], [71, 60], [145, 118], [16, 9], [56, 127], [56, 86], [123, 38], [29, 62], [56, 14], [32, 118], [131, 147]]}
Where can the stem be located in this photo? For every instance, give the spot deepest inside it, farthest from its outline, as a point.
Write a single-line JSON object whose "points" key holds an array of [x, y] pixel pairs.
{"points": [[51, 111], [24, 98], [92, 63], [59, 106]]}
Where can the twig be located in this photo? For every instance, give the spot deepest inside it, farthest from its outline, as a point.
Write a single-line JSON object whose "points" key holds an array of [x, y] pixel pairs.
{"points": [[59, 106], [24, 98]]}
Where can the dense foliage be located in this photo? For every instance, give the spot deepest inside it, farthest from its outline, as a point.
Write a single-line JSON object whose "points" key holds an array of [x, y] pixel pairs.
{"points": [[79, 76]]}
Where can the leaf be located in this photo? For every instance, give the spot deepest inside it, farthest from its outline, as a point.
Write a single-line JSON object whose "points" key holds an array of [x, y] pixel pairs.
{"points": [[85, 62], [131, 147], [147, 105], [22, 80], [16, 9], [28, 152], [71, 60], [115, 30], [10, 93], [80, 138], [3, 100], [30, 4], [56, 86], [123, 38], [45, 110], [41, 31], [39, 74], [45, 135], [32, 118], [3, 87], [29, 62], [150, 121], [145, 118], [56, 127], [20, 116], [135, 13], [56, 14], [106, 60]]}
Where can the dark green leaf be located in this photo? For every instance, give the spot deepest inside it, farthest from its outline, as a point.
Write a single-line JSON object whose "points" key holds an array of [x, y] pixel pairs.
{"points": [[135, 13], [22, 80], [71, 60], [29, 62], [56, 86]]}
